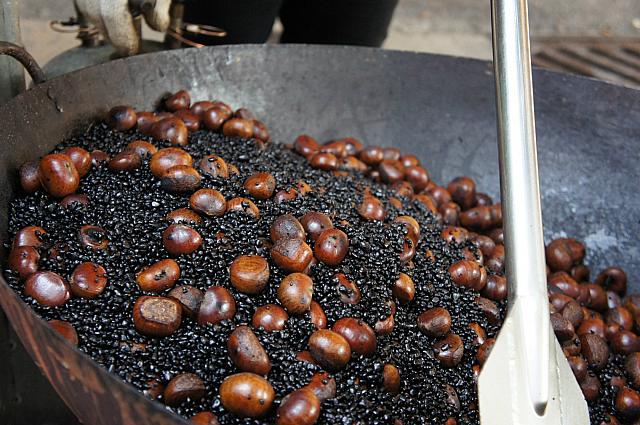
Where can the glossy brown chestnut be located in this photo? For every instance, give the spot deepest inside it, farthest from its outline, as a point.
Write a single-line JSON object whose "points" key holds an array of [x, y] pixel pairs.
{"points": [[214, 117], [286, 226], [632, 367], [490, 310], [180, 179], [270, 317], [29, 176], [80, 158], [291, 255], [359, 335], [318, 318], [198, 108], [156, 316], [573, 313], [323, 386], [58, 175], [301, 407], [296, 292], [65, 329], [144, 121], [24, 261], [371, 155], [624, 342], [580, 273], [171, 129], [246, 352], [484, 350], [613, 279], [209, 202], [183, 215], [166, 158], [628, 403], [190, 120], [189, 298], [468, 273], [214, 166], [217, 305], [247, 395], [142, 148], [249, 274], [590, 387], [260, 185], [159, 276], [449, 350], [28, 236], [285, 195], [204, 418], [463, 192], [238, 127], [122, 118], [404, 289], [177, 101], [563, 253], [314, 223], [183, 387], [331, 246], [391, 171], [452, 234], [435, 322], [179, 239], [244, 206], [562, 327], [329, 349], [371, 208], [417, 176], [324, 161], [127, 160], [305, 145], [496, 288], [578, 366], [88, 280]]}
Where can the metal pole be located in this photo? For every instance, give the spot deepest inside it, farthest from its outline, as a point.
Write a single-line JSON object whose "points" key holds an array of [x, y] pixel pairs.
{"points": [[12, 80], [524, 243]]}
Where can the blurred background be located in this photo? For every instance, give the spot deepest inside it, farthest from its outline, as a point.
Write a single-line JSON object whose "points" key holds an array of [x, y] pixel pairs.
{"points": [[597, 38]]}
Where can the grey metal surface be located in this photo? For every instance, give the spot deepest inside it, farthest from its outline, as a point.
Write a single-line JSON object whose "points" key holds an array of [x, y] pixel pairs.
{"points": [[11, 72], [440, 108], [526, 369]]}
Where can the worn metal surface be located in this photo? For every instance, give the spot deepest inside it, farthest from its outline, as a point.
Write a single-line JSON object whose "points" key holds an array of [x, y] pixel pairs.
{"points": [[440, 108], [610, 59], [11, 73]]}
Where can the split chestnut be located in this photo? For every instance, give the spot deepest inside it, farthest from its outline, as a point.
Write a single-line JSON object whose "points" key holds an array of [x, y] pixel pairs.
{"points": [[156, 316], [449, 350], [189, 298]]}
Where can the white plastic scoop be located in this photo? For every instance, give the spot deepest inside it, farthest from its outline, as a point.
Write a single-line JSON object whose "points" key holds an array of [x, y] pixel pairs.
{"points": [[526, 379]]}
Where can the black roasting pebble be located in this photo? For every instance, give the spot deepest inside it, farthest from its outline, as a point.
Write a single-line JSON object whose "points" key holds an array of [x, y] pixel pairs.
{"points": [[130, 207]]}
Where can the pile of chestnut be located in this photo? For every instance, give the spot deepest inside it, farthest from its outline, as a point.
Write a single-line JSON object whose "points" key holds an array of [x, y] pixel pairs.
{"points": [[591, 320]]}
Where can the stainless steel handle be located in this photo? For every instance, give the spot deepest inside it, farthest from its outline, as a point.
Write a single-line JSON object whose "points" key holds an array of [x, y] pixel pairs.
{"points": [[522, 220]]}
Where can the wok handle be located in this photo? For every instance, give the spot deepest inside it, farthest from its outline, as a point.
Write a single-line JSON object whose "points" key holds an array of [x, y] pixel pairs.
{"points": [[22, 56]]}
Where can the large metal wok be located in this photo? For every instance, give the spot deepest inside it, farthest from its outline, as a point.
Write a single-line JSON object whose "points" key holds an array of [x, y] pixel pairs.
{"points": [[438, 107]]}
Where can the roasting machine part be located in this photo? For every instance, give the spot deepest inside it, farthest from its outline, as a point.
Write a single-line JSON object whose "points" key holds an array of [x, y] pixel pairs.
{"points": [[526, 379], [438, 107]]}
